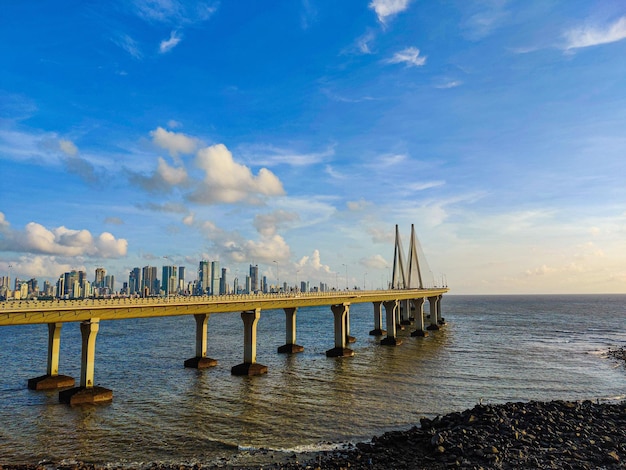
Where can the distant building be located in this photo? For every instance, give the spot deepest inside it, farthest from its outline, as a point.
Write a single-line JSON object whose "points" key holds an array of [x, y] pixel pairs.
{"points": [[254, 278], [204, 278]]}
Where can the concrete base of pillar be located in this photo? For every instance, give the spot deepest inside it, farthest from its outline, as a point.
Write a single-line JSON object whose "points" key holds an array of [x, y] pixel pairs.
{"points": [[51, 382], [350, 339], [432, 327], [420, 333], [247, 368], [378, 332], [390, 341], [86, 396], [340, 352], [200, 363], [290, 349]]}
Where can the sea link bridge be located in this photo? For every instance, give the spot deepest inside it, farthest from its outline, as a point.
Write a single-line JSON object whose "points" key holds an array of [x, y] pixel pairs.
{"points": [[403, 305]]}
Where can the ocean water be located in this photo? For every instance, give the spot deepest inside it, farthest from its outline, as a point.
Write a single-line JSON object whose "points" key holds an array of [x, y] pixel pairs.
{"points": [[493, 349]]}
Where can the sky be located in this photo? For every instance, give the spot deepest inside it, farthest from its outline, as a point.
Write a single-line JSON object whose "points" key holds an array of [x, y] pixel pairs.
{"points": [[296, 134]]}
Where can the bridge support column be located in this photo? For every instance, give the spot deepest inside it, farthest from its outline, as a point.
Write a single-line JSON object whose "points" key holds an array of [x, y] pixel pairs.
{"points": [[440, 319], [290, 345], [434, 324], [52, 379], [201, 361], [87, 392], [419, 318], [405, 312], [249, 366], [391, 308], [340, 313], [378, 320], [349, 339]]}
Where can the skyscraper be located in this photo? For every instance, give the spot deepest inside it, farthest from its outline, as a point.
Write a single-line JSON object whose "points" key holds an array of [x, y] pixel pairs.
{"points": [[254, 278], [215, 277], [134, 281], [204, 277], [223, 284], [99, 279], [150, 285], [169, 280]]}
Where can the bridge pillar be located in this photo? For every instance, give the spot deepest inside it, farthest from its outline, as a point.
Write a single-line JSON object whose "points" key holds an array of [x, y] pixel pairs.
{"points": [[378, 320], [405, 312], [391, 308], [434, 324], [419, 318], [340, 313], [349, 339], [52, 379], [249, 366], [87, 392], [201, 361], [290, 345], [440, 319]]}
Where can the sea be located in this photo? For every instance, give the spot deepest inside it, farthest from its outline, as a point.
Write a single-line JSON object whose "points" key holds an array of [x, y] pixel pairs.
{"points": [[493, 349]]}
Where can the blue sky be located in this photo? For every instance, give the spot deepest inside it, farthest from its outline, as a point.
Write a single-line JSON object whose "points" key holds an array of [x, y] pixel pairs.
{"points": [[295, 134]]}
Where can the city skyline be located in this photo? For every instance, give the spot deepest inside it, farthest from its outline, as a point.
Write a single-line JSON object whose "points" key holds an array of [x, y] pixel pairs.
{"points": [[296, 136]]}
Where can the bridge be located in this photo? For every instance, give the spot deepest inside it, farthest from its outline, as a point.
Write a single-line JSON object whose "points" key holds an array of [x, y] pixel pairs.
{"points": [[403, 305]]}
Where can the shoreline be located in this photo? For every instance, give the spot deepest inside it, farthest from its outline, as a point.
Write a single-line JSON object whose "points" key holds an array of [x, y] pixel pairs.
{"points": [[539, 435]]}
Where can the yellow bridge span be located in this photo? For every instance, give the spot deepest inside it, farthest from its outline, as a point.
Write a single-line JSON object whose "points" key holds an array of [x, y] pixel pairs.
{"points": [[399, 305]]}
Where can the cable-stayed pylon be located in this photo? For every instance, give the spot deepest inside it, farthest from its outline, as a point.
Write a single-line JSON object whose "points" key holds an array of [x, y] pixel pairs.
{"points": [[398, 279]]}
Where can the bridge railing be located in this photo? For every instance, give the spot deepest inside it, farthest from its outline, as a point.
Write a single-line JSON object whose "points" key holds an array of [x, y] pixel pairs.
{"points": [[179, 299]]}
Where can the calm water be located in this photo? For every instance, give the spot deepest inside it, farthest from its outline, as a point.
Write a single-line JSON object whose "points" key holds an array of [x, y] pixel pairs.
{"points": [[495, 348]]}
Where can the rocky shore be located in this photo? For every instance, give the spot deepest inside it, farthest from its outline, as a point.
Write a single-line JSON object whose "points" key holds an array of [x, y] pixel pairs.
{"points": [[533, 435]]}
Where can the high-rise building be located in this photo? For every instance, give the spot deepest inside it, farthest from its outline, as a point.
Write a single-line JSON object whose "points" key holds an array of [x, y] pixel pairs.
{"points": [[204, 277], [134, 281], [223, 283], [181, 279], [215, 277], [99, 279], [264, 287], [254, 278], [150, 284], [169, 281]]}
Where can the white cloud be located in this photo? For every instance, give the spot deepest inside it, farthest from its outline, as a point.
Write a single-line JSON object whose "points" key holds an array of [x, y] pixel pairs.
{"points": [[68, 147], [227, 181], [593, 36], [174, 142], [359, 205], [41, 266], [177, 12], [449, 84], [129, 45], [374, 262], [309, 265], [35, 238], [426, 185], [381, 236], [386, 8], [267, 224], [269, 155], [169, 44], [409, 56], [163, 179]]}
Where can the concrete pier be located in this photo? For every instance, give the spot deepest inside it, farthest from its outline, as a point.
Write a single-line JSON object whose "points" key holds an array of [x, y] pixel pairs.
{"points": [[340, 314], [378, 320], [391, 309], [87, 392], [201, 361], [434, 323], [52, 380], [419, 318], [405, 312], [290, 346], [249, 366]]}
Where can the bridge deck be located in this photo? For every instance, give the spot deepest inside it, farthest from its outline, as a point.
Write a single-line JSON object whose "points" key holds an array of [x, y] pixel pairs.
{"points": [[38, 312]]}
